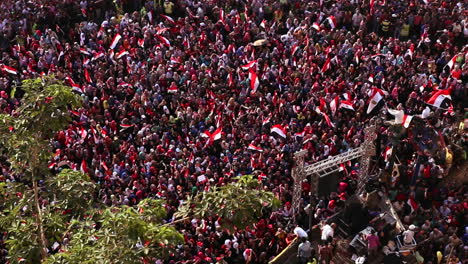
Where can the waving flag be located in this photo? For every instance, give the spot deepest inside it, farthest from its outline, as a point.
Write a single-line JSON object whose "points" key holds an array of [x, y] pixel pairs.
{"points": [[141, 43], [253, 147], [347, 105], [83, 133], [278, 129], [98, 55], [87, 77], [334, 104], [374, 99], [115, 41], [294, 49], [438, 97], [328, 120], [266, 121], [84, 167], [124, 126], [388, 153], [407, 120], [212, 136], [121, 54], [84, 51], [452, 62], [326, 65], [263, 24], [249, 65], [316, 26], [164, 40], [413, 204], [332, 21], [9, 69], [254, 82], [168, 18], [173, 89]]}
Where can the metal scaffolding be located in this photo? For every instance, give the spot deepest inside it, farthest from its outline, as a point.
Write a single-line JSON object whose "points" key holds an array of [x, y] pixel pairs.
{"points": [[331, 165]]}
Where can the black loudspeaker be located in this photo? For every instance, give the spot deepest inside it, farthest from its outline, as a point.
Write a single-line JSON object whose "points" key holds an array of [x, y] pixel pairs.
{"points": [[328, 184]]}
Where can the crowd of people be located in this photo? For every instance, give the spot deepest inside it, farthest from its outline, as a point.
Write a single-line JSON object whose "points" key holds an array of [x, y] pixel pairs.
{"points": [[182, 95]]}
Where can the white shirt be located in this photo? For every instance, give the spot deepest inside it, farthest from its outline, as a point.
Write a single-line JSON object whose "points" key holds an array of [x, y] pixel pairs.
{"points": [[327, 232], [408, 236], [300, 232]]}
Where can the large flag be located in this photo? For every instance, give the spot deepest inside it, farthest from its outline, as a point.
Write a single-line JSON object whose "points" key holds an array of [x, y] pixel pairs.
{"points": [[278, 129], [438, 97], [115, 41], [376, 96]]}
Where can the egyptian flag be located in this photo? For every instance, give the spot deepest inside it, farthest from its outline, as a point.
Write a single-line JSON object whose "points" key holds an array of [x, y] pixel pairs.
{"points": [[412, 204], [254, 82], [332, 21], [230, 80], [141, 43], [387, 153], [83, 133], [371, 78], [84, 167], [249, 65], [121, 54], [299, 134], [216, 134], [438, 97], [263, 24], [326, 65], [84, 51], [452, 62], [376, 96], [9, 69], [266, 121], [124, 126], [371, 6], [168, 18], [278, 129], [334, 104], [294, 49], [347, 105], [221, 16], [406, 120], [328, 120], [255, 148], [98, 55], [115, 41], [87, 77], [316, 26], [164, 40], [172, 89], [77, 88]]}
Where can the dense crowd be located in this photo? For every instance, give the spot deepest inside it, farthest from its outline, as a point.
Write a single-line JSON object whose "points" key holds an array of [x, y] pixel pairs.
{"points": [[180, 96]]}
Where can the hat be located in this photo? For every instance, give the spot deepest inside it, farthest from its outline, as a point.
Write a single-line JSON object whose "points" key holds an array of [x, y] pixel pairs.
{"points": [[412, 227]]}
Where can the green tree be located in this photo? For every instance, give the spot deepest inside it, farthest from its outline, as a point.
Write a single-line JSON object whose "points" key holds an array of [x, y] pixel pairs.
{"points": [[58, 220], [239, 204], [25, 137]]}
